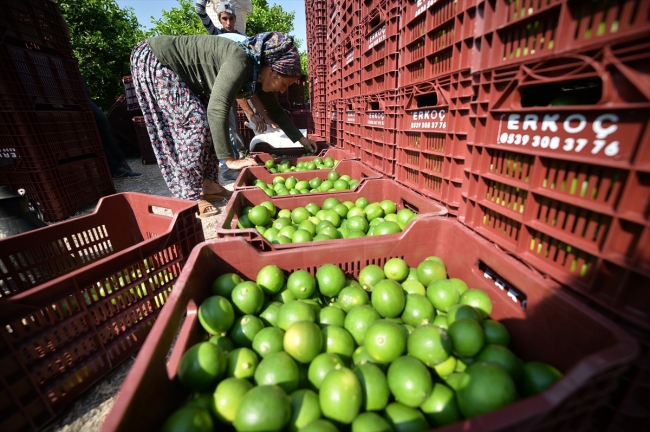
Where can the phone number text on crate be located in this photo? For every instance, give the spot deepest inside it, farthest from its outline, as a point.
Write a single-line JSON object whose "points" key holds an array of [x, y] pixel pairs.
{"points": [[429, 119], [586, 135]]}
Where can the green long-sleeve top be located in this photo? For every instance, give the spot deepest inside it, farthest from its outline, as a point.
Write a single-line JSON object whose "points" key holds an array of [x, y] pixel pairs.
{"points": [[216, 69]]}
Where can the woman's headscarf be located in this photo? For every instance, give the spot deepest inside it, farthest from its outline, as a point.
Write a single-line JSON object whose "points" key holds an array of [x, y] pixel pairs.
{"points": [[275, 50]]}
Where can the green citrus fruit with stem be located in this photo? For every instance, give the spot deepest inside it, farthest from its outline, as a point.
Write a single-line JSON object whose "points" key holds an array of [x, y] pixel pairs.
{"points": [[269, 313], [199, 418], [409, 381], [301, 284], [323, 364], [537, 377], [305, 408], [259, 215], [224, 284], [268, 341], [405, 419], [303, 341], [374, 386], [487, 388], [428, 271], [340, 396], [244, 330], [370, 275], [479, 300], [247, 298], [352, 296], [495, 333], [293, 312], [467, 337], [216, 315], [266, 408], [388, 298], [228, 396], [441, 407], [418, 310], [202, 366], [338, 340], [241, 363], [460, 285], [278, 369], [358, 320], [331, 280], [430, 344], [443, 294], [385, 341], [462, 311], [396, 269], [271, 279], [371, 421]]}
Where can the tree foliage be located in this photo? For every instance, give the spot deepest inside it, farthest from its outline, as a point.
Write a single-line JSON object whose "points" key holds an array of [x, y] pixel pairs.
{"points": [[102, 37], [266, 18], [178, 21]]}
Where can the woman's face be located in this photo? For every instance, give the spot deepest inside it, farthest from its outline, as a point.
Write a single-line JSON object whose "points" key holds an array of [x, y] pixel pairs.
{"points": [[276, 82]]}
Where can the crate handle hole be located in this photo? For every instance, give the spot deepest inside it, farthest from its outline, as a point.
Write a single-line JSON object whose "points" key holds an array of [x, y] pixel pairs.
{"points": [[161, 211], [374, 106], [427, 100], [508, 289], [412, 207], [576, 92]]}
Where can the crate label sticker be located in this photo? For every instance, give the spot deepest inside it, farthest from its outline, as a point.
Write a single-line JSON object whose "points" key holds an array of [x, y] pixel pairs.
{"points": [[8, 153], [334, 68], [560, 132], [375, 118], [349, 57], [423, 5], [351, 117], [377, 37], [434, 119]]}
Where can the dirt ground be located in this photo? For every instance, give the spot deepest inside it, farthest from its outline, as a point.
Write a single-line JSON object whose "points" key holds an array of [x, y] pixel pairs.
{"points": [[89, 411]]}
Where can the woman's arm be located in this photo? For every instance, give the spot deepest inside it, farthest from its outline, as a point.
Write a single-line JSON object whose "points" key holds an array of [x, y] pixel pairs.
{"points": [[205, 18]]}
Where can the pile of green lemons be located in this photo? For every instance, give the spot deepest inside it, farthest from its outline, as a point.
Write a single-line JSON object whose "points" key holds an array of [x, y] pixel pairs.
{"points": [[399, 349], [316, 164], [333, 220], [334, 182]]}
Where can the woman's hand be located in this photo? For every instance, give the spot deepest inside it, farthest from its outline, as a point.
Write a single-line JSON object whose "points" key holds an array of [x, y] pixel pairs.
{"points": [[259, 123], [237, 164], [309, 144]]}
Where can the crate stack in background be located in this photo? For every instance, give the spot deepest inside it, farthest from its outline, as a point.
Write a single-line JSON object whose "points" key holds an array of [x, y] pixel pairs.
{"points": [[528, 122], [49, 142], [316, 21]]}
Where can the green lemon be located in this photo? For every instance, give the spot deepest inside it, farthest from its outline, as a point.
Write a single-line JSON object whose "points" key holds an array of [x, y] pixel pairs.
{"points": [[430, 344], [487, 388], [467, 337], [331, 315], [341, 396], [293, 312], [305, 408], [228, 396], [303, 341], [370, 421], [396, 269], [479, 300], [271, 279], [244, 330], [301, 284], [338, 340], [224, 284], [418, 310], [409, 381], [443, 294], [223, 342], [428, 271], [331, 280], [278, 369], [370, 275], [405, 419], [358, 320], [269, 314], [385, 341], [199, 419], [495, 333], [374, 386], [268, 341], [462, 311], [388, 298], [241, 363], [202, 366], [247, 298], [263, 408], [323, 364], [441, 408], [537, 377], [216, 315], [414, 287], [352, 296]]}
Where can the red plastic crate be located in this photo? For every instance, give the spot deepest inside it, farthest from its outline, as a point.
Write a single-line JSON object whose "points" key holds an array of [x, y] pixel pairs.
{"points": [[42, 140], [374, 190], [350, 16], [433, 128], [319, 114], [368, 7], [591, 353], [351, 64], [132, 103], [570, 192], [353, 168], [37, 24], [380, 51], [333, 79], [512, 32], [246, 133], [147, 155], [38, 78], [61, 191], [436, 39], [81, 296], [334, 124]]}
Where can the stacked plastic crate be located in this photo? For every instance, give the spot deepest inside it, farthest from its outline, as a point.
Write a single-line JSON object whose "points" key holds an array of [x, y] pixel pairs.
{"points": [[379, 60], [436, 39], [49, 143], [317, 49], [560, 159]]}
